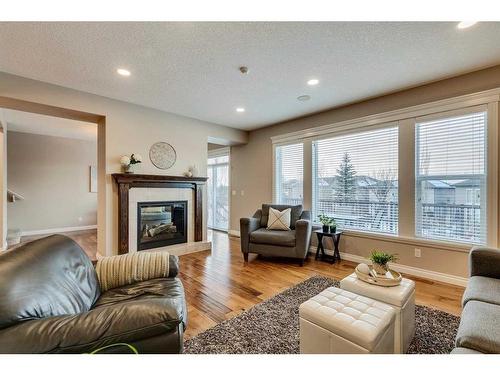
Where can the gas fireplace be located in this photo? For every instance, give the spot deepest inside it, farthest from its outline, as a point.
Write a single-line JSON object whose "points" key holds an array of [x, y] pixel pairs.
{"points": [[161, 224]]}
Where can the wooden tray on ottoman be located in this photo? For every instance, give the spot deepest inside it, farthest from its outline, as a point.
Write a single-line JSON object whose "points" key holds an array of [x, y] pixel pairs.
{"points": [[393, 279]]}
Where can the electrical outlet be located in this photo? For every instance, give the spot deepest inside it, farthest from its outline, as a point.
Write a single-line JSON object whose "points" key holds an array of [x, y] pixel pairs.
{"points": [[233, 192], [243, 193], [80, 219], [418, 253]]}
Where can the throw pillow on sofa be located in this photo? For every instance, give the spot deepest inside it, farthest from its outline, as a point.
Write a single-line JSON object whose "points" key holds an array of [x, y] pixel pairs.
{"points": [[121, 270], [279, 220]]}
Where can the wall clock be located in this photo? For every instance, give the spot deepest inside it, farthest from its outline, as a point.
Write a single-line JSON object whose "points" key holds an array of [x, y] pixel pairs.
{"points": [[162, 155]]}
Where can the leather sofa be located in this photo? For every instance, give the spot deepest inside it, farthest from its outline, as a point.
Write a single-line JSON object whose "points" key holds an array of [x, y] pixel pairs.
{"points": [[479, 330], [294, 243], [50, 302]]}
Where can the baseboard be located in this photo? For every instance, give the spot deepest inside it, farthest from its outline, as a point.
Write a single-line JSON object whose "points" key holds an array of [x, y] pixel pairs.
{"points": [[56, 230], [234, 233], [409, 270]]}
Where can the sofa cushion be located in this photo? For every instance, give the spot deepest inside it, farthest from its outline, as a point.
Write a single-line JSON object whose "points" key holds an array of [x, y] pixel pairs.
{"points": [[127, 314], [44, 278], [480, 327], [484, 289], [273, 237], [295, 215]]}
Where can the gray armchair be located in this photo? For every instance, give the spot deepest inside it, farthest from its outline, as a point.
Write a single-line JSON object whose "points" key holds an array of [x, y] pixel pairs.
{"points": [[294, 243]]}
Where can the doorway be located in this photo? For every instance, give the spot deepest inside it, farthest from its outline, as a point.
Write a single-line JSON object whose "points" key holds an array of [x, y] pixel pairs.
{"points": [[218, 188], [54, 123]]}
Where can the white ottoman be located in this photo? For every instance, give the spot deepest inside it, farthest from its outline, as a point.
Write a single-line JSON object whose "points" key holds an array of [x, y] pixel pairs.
{"points": [[337, 321], [401, 298]]}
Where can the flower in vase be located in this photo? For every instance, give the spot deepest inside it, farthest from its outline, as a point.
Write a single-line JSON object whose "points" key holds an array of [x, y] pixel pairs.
{"points": [[125, 160]]}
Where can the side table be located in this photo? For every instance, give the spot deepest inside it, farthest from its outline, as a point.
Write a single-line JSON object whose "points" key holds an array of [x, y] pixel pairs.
{"points": [[320, 252]]}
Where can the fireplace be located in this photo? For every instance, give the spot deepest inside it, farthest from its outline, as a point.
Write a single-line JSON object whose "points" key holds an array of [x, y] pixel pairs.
{"points": [[161, 224]]}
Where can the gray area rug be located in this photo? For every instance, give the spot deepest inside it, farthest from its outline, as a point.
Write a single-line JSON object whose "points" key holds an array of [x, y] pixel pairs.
{"points": [[272, 326]]}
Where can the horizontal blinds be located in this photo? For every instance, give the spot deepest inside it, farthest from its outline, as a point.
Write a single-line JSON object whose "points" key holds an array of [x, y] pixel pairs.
{"points": [[289, 174], [355, 179], [450, 178]]}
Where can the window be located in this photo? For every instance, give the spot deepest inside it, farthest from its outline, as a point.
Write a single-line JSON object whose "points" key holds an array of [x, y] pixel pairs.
{"points": [[355, 179], [218, 192], [289, 174], [450, 178]]}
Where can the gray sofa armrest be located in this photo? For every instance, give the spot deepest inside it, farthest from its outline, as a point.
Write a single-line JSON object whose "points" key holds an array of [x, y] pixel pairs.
{"points": [[247, 226], [484, 261], [303, 229], [306, 215]]}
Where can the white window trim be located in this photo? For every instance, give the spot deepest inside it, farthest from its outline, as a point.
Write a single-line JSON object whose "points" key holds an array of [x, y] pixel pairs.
{"points": [[406, 119]]}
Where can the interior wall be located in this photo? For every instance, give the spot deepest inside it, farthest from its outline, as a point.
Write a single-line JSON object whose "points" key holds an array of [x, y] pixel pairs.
{"points": [[53, 176], [129, 129], [3, 182], [252, 163]]}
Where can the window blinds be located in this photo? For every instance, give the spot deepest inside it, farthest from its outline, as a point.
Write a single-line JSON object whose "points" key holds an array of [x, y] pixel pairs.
{"points": [[450, 178], [355, 179], [289, 174]]}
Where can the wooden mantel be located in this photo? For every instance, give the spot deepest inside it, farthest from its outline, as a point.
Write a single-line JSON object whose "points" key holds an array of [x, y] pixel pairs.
{"points": [[126, 181]]}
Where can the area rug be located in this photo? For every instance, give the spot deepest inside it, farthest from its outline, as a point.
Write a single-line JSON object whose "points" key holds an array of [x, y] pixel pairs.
{"points": [[272, 326]]}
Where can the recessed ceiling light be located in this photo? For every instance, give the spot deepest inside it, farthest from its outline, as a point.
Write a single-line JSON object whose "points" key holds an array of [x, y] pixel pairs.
{"points": [[466, 24], [123, 72], [313, 82], [304, 98], [240, 109]]}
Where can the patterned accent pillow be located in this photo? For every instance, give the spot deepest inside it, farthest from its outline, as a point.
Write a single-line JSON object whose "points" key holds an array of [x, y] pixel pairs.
{"points": [[121, 270], [279, 220]]}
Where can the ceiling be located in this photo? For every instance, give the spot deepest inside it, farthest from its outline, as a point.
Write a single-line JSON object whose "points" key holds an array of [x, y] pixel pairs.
{"points": [[192, 68], [33, 123]]}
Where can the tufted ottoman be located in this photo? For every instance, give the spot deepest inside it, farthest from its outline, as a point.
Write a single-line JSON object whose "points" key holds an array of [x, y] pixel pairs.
{"points": [[337, 321], [401, 298]]}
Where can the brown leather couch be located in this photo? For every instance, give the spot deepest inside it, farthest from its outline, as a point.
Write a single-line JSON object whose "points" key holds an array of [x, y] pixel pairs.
{"points": [[50, 302]]}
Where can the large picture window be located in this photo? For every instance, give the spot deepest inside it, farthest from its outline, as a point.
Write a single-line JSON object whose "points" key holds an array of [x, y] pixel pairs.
{"points": [[289, 175], [355, 179], [451, 177]]}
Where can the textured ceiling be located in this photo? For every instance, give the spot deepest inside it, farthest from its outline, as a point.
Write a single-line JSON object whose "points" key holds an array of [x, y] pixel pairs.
{"points": [[25, 122], [192, 68]]}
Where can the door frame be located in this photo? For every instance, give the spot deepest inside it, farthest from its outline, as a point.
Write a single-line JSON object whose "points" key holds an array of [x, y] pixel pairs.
{"points": [[71, 114]]}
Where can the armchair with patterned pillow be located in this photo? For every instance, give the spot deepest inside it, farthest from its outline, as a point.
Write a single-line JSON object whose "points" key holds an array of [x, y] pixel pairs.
{"points": [[268, 233]]}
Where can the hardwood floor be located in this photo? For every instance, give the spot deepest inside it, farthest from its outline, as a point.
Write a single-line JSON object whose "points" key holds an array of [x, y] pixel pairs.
{"points": [[87, 239], [219, 285]]}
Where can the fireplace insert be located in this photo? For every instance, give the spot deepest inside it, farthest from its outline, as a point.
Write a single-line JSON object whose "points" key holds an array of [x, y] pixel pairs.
{"points": [[161, 224]]}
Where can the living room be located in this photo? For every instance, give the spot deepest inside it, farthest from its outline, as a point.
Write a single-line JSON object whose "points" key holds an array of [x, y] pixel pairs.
{"points": [[256, 188]]}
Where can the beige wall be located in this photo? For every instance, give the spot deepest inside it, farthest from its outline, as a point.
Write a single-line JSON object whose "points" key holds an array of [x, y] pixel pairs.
{"points": [[129, 128], [252, 163], [52, 174]]}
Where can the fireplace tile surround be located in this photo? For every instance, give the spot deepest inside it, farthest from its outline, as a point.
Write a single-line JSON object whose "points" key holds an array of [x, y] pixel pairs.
{"points": [[140, 189]]}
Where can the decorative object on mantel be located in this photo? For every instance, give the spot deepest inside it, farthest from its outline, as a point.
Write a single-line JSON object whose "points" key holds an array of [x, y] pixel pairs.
{"points": [[191, 172], [129, 162], [380, 261], [162, 155], [366, 273]]}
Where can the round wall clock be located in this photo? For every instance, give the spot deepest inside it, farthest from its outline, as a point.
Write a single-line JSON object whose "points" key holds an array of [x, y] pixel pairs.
{"points": [[162, 155]]}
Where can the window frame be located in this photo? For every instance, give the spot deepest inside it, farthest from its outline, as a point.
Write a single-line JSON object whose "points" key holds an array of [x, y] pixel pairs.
{"points": [[274, 168], [481, 177], [361, 129]]}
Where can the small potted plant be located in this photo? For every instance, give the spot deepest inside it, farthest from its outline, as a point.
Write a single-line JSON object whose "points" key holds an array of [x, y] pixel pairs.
{"points": [[380, 259], [327, 222], [333, 225], [128, 162]]}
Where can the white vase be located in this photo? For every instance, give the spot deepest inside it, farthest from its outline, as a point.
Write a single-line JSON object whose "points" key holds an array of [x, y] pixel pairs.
{"points": [[129, 168]]}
